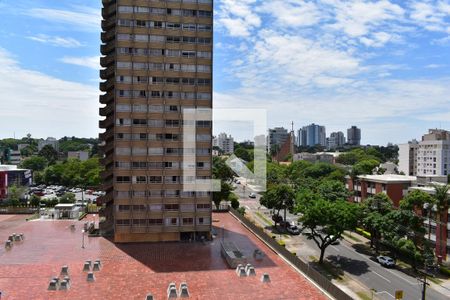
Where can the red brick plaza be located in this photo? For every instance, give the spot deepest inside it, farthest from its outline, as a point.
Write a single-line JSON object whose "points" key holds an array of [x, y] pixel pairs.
{"points": [[132, 271]]}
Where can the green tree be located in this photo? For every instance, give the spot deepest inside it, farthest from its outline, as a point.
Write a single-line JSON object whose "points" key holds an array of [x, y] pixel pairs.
{"points": [[324, 221], [67, 198], [333, 190], [221, 170], [223, 194], [278, 197], [365, 166], [35, 200], [442, 202], [244, 154], [35, 163], [49, 153], [375, 209]]}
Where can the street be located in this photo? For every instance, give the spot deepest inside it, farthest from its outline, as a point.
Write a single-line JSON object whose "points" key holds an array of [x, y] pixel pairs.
{"points": [[357, 265]]}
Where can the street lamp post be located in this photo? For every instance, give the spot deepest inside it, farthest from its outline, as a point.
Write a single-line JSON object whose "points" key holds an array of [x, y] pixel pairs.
{"points": [[82, 240]]}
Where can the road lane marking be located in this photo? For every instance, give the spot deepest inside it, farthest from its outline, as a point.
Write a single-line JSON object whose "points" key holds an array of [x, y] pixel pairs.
{"points": [[335, 248], [382, 276], [385, 292], [369, 260]]}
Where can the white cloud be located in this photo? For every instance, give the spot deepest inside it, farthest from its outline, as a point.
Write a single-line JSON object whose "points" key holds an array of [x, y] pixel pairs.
{"points": [[358, 17], [56, 41], [237, 17], [81, 18], [44, 105], [92, 62], [292, 12]]}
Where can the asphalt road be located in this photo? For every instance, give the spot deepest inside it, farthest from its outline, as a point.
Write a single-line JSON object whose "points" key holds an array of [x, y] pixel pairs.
{"points": [[357, 265]]}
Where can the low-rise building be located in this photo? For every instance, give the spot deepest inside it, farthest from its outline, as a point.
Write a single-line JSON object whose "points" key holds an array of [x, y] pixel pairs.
{"points": [[325, 157], [395, 186], [81, 155], [49, 141], [11, 175]]}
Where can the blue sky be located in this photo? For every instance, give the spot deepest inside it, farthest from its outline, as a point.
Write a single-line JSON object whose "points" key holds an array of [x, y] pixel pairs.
{"points": [[381, 65]]}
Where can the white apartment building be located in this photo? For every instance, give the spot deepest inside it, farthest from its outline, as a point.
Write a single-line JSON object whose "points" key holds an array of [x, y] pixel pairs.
{"points": [[433, 155], [225, 143], [49, 141], [407, 156]]}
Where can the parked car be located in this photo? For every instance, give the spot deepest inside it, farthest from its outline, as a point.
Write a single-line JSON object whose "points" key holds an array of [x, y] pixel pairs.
{"points": [[386, 261], [252, 195], [293, 229]]}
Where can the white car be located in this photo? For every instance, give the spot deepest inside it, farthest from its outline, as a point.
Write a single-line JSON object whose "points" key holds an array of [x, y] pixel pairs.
{"points": [[252, 195], [386, 261]]}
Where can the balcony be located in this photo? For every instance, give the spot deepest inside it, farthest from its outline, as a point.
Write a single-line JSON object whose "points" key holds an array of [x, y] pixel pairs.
{"points": [[108, 24], [108, 47], [107, 160], [107, 73], [108, 10], [105, 199], [106, 174], [107, 123], [106, 111], [107, 186], [108, 85], [107, 98], [108, 2], [108, 35], [106, 61]]}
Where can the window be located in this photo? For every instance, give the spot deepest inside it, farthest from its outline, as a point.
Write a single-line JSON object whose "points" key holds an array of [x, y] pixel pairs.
{"points": [[123, 222], [155, 179], [155, 222], [171, 206], [188, 221], [201, 206], [123, 207], [123, 179], [140, 222]]}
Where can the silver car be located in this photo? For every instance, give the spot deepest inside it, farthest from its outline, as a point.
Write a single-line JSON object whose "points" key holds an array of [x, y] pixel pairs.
{"points": [[386, 261]]}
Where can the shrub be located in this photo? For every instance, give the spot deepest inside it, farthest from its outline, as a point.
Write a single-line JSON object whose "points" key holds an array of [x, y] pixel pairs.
{"points": [[363, 233], [444, 270]]}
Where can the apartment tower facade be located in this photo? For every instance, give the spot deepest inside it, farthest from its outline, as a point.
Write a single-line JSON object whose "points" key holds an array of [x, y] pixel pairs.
{"points": [[157, 61]]}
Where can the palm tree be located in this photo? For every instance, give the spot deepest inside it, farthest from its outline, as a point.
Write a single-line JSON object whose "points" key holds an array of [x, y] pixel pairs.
{"points": [[442, 202]]}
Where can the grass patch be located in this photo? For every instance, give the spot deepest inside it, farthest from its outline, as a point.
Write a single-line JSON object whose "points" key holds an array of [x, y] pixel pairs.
{"points": [[363, 296], [435, 280], [352, 237], [267, 221]]}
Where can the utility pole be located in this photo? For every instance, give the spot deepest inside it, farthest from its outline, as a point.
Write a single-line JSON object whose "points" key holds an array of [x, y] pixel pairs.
{"points": [[425, 283]]}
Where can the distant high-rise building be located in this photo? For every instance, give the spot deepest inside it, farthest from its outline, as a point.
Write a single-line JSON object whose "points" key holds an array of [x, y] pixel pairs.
{"points": [[433, 155], [157, 61], [225, 143], [311, 136], [336, 140], [354, 136], [407, 158], [277, 137]]}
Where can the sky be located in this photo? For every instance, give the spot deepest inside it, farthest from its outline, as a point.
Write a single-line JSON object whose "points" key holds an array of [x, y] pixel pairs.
{"points": [[381, 65]]}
